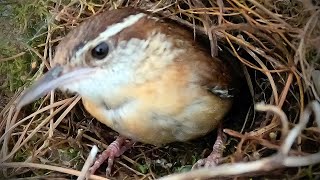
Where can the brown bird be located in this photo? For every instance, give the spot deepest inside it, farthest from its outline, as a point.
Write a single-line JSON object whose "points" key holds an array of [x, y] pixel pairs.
{"points": [[143, 77]]}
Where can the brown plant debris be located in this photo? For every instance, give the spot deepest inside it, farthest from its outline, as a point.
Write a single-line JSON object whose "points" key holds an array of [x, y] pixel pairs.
{"points": [[275, 43]]}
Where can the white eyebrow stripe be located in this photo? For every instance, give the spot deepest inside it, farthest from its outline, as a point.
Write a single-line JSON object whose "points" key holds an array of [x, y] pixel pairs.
{"points": [[111, 31]]}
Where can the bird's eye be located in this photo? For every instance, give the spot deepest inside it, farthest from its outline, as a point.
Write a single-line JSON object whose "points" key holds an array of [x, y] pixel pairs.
{"points": [[100, 51]]}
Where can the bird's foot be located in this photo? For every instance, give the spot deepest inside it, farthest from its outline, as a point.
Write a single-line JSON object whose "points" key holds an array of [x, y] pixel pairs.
{"points": [[115, 149], [215, 157]]}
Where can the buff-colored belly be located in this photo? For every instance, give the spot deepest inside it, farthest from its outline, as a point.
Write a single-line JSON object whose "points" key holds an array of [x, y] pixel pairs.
{"points": [[152, 126]]}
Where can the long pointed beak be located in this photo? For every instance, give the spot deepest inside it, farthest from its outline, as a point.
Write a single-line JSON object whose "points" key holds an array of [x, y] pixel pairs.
{"points": [[53, 79]]}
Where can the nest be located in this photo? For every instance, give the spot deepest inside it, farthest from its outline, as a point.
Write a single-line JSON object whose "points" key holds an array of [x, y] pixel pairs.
{"points": [[276, 45]]}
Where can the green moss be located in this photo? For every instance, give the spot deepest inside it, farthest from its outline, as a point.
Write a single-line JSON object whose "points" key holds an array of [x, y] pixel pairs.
{"points": [[21, 156], [31, 16], [68, 153], [182, 169], [21, 25], [14, 71], [143, 168]]}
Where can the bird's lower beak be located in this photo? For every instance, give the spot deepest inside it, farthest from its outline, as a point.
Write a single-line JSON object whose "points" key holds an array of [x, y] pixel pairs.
{"points": [[53, 79]]}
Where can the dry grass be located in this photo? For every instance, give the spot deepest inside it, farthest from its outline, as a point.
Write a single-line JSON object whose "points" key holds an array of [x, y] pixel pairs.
{"points": [[277, 45]]}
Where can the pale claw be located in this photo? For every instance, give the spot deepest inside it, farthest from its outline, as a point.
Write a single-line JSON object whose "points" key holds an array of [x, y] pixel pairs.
{"points": [[115, 149], [216, 155]]}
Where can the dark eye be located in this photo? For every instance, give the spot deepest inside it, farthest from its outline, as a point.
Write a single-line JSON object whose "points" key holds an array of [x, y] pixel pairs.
{"points": [[100, 51]]}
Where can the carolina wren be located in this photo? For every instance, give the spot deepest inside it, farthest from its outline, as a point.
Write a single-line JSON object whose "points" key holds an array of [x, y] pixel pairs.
{"points": [[143, 77]]}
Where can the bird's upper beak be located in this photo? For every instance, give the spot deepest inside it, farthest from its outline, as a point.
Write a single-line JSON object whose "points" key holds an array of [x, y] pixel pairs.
{"points": [[53, 79]]}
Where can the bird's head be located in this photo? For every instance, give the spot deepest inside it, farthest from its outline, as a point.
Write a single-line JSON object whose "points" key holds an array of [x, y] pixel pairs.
{"points": [[105, 53]]}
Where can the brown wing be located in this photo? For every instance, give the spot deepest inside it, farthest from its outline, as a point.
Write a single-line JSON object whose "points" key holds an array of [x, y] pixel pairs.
{"points": [[211, 73]]}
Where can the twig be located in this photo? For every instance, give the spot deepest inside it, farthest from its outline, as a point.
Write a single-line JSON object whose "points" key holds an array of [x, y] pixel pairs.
{"points": [[12, 57], [49, 167], [88, 163], [279, 112]]}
